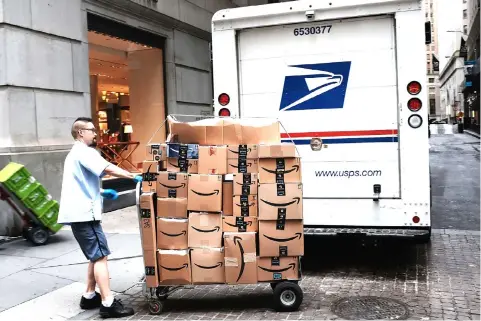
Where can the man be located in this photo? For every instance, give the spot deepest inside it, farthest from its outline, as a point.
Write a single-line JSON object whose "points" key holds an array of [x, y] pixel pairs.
{"points": [[81, 208]]}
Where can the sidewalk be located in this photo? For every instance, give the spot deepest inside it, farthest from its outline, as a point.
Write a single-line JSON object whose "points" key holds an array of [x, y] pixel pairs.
{"points": [[474, 134], [53, 276]]}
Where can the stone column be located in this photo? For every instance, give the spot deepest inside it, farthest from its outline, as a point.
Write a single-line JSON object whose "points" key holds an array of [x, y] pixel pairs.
{"points": [[44, 86]]}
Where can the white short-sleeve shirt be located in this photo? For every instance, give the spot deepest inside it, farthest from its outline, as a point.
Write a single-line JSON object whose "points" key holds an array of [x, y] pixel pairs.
{"points": [[80, 199]]}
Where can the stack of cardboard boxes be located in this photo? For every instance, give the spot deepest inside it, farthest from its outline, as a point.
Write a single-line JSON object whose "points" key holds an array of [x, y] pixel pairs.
{"points": [[220, 209]]}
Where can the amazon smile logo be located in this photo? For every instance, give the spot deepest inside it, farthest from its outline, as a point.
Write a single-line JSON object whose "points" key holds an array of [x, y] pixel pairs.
{"points": [[215, 229], [184, 266], [291, 266], [215, 192], [237, 152], [173, 187], [294, 168], [237, 240], [295, 200], [175, 235], [178, 166], [249, 205], [297, 235], [248, 164], [219, 264]]}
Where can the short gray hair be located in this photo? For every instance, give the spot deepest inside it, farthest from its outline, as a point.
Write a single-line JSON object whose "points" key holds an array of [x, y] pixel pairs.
{"points": [[78, 124]]}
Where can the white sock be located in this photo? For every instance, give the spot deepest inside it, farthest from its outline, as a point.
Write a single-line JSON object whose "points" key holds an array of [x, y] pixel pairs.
{"points": [[108, 301], [89, 295]]}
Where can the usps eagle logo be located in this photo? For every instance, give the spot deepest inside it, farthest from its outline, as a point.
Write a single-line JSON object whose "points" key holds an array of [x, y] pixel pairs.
{"points": [[315, 86]]}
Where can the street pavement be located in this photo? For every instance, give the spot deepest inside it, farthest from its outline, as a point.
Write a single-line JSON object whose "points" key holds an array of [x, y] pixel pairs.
{"points": [[439, 280]]}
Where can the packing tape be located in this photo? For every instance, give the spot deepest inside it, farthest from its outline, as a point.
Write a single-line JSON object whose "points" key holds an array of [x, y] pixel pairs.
{"points": [[276, 150], [231, 261], [204, 220], [249, 257]]}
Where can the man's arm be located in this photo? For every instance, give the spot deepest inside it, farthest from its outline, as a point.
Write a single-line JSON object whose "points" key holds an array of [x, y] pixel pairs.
{"points": [[119, 172]]}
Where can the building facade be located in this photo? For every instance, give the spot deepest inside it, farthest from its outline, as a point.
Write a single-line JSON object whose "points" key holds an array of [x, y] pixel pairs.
{"points": [[471, 86], [125, 63], [432, 65]]}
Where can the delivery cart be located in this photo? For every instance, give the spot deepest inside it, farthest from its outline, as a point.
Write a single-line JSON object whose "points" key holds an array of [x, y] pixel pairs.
{"points": [[33, 230], [287, 295]]}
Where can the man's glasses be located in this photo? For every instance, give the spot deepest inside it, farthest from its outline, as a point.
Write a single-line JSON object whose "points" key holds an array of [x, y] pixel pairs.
{"points": [[93, 130]]}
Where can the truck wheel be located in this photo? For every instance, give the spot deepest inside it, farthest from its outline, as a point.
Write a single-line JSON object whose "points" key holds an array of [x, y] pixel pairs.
{"points": [[38, 235], [287, 297]]}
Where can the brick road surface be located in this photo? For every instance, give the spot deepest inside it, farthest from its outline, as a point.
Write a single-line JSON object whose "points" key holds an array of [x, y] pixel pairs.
{"points": [[439, 280]]}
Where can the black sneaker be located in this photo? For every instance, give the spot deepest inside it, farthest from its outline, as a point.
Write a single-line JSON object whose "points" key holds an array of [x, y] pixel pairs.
{"points": [[116, 310], [93, 303]]}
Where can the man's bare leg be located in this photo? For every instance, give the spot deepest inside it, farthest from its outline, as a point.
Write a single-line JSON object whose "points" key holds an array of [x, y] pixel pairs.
{"points": [[91, 279], [102, 278]]}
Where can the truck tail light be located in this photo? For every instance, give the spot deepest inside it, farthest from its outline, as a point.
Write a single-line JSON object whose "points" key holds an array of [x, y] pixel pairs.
{"points": [[415, 121], [416, 219], [414, 88], [414, 104], [224, 112], [224, 99]]}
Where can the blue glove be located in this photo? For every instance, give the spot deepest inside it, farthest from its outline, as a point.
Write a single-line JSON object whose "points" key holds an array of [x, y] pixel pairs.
{"points": [[110, 194], [138, 179]]}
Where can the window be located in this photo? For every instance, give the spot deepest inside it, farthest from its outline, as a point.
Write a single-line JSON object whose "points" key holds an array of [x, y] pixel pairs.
{"points": [[465, 14], [432, 107], [431, 80], [465, 29]]}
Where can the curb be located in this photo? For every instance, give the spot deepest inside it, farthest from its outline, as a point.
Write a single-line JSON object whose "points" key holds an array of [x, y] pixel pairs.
{"points": [[474, 134]]}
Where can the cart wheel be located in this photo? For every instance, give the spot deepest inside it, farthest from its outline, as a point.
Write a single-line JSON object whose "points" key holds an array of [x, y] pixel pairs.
{"points": [[162, 292], [155, 307], [287, 297], [38, 235]]}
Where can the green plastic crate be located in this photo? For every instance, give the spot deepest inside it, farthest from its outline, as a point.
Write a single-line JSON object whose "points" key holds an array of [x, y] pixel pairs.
{"points": [[42, 207], [36, 196], [49, 217], [17, 179], [55, 227]]}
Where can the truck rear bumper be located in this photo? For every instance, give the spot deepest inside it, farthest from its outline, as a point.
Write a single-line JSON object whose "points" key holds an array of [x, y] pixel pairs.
{"points": [[368, 231]]}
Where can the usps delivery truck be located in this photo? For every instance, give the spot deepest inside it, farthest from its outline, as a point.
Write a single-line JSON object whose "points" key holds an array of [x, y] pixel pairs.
{"points": [[347, 80]]}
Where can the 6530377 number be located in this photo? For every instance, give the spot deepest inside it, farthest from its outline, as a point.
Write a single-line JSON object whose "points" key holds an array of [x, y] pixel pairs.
{"points": [[304, 31]]}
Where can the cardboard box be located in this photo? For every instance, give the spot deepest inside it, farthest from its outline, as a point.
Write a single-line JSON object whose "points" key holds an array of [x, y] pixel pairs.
{"points": [[280, 201], [240, 258], [172, 207], [179, 165], [279, 150], [205, 230], [150, 171], [245, 184], [239, 224], [242, 166], [227, 200], [174, 267], [172, 185], [212, 160], [251, 131], [184, 151], [207, 265], [172, 233], [284, 238], [278, 268], [147, 217], [245, 205], [151, 270], [243, 151], [202, 132], [205, 193], [163, 166], [156, 152], [280, 170]]}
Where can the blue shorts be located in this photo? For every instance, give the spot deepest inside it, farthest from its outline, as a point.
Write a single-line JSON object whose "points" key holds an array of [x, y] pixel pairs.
{"points": [[91, 239]]}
